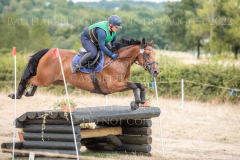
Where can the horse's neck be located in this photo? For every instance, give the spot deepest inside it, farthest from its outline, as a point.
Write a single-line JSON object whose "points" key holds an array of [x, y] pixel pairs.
{"points": [[130, 52]]}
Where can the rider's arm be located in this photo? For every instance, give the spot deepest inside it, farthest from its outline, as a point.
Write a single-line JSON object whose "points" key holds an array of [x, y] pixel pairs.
{"points": [[101, 41], [114, 40]]}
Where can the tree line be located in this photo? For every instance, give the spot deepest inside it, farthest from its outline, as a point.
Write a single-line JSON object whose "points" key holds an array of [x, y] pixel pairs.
{"points": [[208, 25]]}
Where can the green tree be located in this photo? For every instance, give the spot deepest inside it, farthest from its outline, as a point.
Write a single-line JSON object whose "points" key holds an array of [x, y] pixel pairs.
{"points": [[232, 35], [178, 28], [13, 33], [39, 37], [125, 7]]}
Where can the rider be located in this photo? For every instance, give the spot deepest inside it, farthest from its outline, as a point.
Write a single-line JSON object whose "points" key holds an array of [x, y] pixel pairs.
{"points": [[98, 35]]}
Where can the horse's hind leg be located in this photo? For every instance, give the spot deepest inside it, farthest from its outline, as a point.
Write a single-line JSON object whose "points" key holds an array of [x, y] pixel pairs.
{"points": [[36, 82], [31, 91]]}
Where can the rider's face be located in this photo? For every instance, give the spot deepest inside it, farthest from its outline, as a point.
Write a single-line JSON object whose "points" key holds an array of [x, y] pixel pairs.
{"points": [[114, 29]]}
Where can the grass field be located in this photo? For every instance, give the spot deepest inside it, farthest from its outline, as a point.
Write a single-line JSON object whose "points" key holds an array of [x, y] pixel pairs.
{"points": [[199, 131]]}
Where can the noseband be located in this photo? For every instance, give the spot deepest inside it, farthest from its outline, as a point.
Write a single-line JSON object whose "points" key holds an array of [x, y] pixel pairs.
{"points": [[148, 65]]}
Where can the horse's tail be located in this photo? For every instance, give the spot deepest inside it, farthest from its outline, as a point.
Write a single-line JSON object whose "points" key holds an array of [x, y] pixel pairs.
{"points": [[31, 70]]}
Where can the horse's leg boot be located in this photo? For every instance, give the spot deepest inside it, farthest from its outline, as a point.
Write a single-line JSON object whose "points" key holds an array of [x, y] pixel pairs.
{"points": [[31, 92], [82, 62]]}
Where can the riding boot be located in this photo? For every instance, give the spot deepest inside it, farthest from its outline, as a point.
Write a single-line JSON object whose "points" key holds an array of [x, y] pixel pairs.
{"points": [[82, 62]]}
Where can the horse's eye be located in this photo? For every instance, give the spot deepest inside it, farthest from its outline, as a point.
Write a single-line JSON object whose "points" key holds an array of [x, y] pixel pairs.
{"points": [[148, 54]]}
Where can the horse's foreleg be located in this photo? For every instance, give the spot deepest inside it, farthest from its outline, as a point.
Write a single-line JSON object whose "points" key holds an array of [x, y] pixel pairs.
{"points": [[122, 86], [142, 92]]}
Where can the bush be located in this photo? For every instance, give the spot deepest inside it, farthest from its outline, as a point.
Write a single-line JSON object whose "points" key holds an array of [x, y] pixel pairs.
{"points": [[210, 73]]}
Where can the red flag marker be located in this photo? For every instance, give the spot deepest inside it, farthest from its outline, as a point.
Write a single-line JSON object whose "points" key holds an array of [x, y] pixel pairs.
{"points": [[14, 51], [56, 53]]}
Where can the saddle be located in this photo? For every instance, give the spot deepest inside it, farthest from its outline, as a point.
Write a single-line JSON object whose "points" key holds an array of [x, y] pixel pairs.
{"points": [[91, 65]]}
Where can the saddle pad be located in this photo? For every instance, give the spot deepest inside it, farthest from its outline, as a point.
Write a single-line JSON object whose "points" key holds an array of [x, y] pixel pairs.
{"points": [[77, 58]]}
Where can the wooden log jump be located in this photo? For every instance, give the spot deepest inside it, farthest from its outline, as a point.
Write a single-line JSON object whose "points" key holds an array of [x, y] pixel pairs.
{"points": [[117, 129]]}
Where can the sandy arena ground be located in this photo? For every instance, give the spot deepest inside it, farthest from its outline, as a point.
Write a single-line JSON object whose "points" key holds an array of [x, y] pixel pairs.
{"points": [[199, 131]]}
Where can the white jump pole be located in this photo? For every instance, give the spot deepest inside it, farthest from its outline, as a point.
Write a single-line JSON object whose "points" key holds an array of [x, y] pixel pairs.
{"points": [[106, 100], [15, 109], [159, 116], [69, 104], [182, 92]]}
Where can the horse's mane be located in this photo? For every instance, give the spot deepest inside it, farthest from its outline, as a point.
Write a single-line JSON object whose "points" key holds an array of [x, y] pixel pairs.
{"points": [[123, 42]]}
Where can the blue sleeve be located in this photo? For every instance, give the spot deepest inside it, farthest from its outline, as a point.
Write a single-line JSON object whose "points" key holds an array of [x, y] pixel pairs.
{"points": [[114, 40], [101, 41]]}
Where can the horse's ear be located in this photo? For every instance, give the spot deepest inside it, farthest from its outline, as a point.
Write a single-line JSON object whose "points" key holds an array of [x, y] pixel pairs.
{"points": [[143, 41], [152, 42]]}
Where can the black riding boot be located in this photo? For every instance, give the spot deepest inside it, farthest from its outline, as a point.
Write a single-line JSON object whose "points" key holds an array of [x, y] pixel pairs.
{"points": [[82, 62]]}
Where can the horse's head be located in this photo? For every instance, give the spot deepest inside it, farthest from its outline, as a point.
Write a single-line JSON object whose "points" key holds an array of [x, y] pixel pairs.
{"points": [[146, 58]]}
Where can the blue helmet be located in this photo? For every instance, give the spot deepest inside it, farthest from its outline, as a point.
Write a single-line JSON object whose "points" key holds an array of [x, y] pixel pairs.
{"points": [[115, 20]]}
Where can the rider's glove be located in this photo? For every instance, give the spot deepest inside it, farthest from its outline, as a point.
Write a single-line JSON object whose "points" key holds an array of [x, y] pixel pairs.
{"points": [[114, 56]]}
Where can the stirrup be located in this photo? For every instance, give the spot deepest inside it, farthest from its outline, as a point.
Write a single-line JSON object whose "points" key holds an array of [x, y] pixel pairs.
{"points": [[75, 68]]}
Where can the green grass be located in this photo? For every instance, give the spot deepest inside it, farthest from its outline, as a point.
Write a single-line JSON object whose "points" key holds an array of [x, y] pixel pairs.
{"points": [[99, 155]]}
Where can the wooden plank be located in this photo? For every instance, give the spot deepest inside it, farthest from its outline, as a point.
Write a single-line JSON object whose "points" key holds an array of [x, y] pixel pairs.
{"points": [[137, 131], [51, 137], [125, 147], [136, 139], [51, 145], [100, 132], [51, 128], [127, 123], [48, 154], [113, 113]]}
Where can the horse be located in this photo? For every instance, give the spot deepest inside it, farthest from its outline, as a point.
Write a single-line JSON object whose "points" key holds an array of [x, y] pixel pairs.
{"points": [[43, 70]]}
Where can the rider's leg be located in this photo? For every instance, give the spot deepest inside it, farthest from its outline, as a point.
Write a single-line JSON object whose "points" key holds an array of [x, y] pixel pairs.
{"points": [[91, 53], [88, 46]]}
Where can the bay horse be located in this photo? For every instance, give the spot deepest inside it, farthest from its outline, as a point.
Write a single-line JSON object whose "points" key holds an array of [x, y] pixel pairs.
{"points": [[44, 70]]}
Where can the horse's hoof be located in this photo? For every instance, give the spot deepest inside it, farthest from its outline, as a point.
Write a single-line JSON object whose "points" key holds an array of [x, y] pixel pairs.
{"points": [[134, 105], [142, 102], [26, 94], [12, 96]]}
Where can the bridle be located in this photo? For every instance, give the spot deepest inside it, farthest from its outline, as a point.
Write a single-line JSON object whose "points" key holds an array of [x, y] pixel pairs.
{"points": [[148, 65]]}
